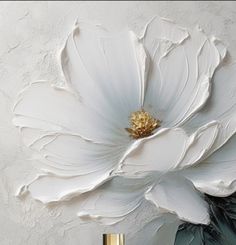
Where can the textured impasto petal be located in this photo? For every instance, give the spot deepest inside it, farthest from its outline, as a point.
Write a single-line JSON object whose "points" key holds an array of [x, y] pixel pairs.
{"points": [[47, 108], [56, 126], [160, 36], [114, 200], [199, 145], [108, 70], [216, 175], [69, 155], [71, 166], [169, 149], [221, 106], [48, 188], [184, 80], [177, 195]]}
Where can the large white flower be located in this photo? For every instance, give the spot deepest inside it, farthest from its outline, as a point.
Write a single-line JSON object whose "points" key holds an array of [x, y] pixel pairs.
{"points": [[85, 141]]}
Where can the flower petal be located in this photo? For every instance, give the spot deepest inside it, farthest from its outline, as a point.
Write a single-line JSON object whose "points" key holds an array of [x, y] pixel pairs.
{"points": [[199, 144], [113, 201], [69, 155], [221, 106], [43, 107], [48, 188], [185, 78], [108, 70], [159, 37], [169, 149], [216, 175], [178, 195], [72, 165]]}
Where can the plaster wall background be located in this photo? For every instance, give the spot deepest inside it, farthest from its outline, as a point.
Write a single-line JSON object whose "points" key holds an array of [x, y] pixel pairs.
{"points": [[31, 34]]}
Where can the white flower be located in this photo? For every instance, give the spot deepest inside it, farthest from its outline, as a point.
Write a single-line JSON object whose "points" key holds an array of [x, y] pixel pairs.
{"points": [[78, 132]]}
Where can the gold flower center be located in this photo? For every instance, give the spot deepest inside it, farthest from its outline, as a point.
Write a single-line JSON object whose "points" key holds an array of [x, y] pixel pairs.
{"points": [[142, 124]]}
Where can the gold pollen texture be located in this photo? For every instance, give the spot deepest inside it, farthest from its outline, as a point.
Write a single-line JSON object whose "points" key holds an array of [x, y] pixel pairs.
{"points": [[142, 124]]}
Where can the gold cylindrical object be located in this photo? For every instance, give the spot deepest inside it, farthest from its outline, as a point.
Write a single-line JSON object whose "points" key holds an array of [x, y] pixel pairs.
{"points": [[113, 239]]}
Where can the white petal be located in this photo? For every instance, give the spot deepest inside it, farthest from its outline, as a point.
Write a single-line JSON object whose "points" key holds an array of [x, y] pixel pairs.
{"points": [[199, 144], [159, 231], [217, 174], [43, 107], [185, 78], [160, 37], [71, 155], [169, 149], [113, 201], [108, 70], [221, 106], [178, 195], [73, 165], [152, 153], [49, 188]]}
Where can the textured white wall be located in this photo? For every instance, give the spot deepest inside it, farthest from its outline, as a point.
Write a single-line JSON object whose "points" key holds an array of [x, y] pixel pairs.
{"points": [[32, 33]]}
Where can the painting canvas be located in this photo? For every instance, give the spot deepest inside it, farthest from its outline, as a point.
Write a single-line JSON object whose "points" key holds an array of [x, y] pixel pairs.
{"points": [[118, 117]]}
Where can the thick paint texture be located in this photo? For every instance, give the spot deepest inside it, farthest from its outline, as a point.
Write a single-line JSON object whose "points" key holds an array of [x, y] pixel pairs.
{"points": [[77, 131]]}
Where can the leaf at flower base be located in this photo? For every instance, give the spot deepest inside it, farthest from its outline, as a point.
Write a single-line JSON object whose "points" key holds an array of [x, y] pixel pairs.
{"points": [[220, 231]]}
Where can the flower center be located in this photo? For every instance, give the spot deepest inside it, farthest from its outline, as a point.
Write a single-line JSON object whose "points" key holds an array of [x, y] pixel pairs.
{"points": [[142, 124]]}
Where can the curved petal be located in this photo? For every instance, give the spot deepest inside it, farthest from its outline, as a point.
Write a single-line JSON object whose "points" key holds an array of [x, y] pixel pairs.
{"points": [[159, 37], [43, 107], [216, 175], [113, 201], [178, 195], [48, 188], [199, 145], [71, 166], [69, 155], [185, 78], [106, 69], [159, 231], [169, 149], [221, 106]]}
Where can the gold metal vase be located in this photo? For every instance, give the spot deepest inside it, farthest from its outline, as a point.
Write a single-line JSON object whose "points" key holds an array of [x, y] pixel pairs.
{"points": [[113, 239]]}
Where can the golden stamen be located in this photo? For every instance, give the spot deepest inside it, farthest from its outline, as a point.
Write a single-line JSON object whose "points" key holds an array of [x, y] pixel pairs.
{"points": [[142, 124]]}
